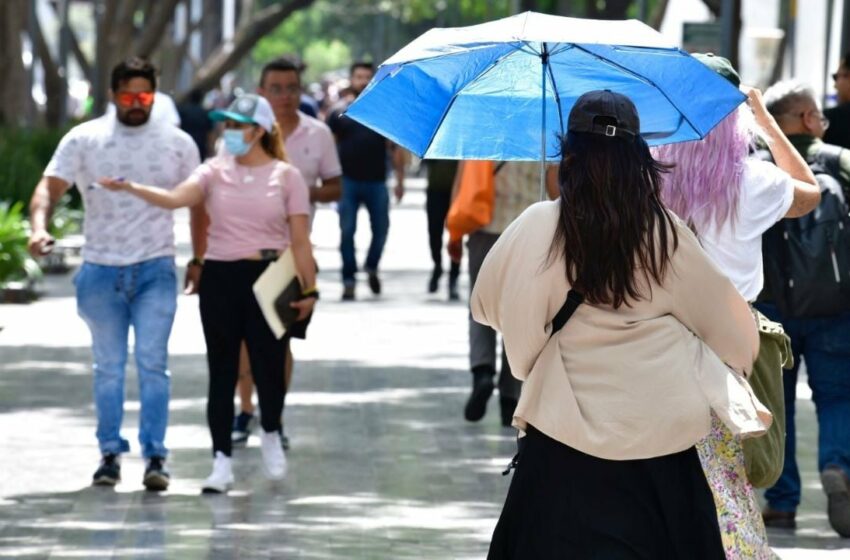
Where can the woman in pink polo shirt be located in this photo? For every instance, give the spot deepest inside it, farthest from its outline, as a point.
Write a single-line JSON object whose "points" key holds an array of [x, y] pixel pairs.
{"points": [[258, 206]]}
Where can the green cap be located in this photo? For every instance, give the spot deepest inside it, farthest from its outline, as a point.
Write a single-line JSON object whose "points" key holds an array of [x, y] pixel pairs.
{"points": [[720, 65]]}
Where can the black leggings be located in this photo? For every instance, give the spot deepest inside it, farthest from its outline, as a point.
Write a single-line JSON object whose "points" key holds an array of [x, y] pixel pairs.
{"points": [[437, 207], [230, 314]]}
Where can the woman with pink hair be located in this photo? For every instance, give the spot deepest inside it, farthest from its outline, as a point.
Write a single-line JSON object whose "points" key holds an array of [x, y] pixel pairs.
{"points": [[729, 200]]}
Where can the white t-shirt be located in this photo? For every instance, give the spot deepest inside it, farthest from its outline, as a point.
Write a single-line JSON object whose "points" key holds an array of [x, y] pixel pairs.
{"points": [[767, 193], [119, 228]]}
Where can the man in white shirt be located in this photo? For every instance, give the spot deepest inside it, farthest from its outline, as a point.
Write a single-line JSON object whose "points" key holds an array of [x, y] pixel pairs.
{"points": [[127, 277]]}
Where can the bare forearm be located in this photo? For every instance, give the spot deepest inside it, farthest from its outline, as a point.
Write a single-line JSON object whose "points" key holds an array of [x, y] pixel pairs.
{"points": [[302, 252], [156, 196], [330, 191], [198, 223], [787, 157], [41, 207]]}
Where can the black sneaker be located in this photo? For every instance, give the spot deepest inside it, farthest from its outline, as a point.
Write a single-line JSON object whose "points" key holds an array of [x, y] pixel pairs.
{"points": [[434, 282], [243, 425], [837, 487], [375, 283], [109, 471], [156, 477], [348, 293], [482, 388]]}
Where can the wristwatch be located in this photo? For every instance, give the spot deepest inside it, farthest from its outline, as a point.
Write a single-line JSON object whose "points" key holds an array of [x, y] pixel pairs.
{"points": [[195, 261]]}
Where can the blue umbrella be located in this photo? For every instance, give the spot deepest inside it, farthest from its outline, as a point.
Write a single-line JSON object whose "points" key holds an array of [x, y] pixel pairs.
{"points": [[493, 91]]}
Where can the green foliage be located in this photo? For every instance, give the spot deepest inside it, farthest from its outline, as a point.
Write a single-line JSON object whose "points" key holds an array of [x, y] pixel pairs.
{"points": [[15, 261], [24, 153]]}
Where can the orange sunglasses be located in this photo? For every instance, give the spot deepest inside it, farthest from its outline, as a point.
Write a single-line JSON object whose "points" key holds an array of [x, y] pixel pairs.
{"points": [[126, 99]]}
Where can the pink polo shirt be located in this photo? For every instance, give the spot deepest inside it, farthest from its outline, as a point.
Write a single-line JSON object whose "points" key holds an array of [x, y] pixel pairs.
{"points": [[312, 149], [249, 207]]}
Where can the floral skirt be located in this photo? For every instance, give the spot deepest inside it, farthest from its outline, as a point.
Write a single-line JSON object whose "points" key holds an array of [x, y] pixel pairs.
{"points": [[738, 514]]}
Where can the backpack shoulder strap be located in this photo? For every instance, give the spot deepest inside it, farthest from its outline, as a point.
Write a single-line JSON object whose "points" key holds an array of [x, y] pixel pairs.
{"points": [[574, 299], [829, 157]]}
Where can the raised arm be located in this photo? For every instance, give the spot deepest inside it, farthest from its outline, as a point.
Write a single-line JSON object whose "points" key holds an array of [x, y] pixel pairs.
{"points": [[787, 158], [187, 193]]}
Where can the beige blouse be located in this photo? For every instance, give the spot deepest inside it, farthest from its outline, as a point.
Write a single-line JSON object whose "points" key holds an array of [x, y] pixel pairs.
{"points": [[629, 383]]}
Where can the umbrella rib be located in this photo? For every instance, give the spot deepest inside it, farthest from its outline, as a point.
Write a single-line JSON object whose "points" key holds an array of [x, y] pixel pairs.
{"points": [[646, 80], [555, 92], [458, 92]]}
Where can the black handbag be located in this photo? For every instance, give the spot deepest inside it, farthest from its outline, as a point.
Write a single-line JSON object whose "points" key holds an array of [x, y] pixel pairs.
{"points": [[285, 312]]}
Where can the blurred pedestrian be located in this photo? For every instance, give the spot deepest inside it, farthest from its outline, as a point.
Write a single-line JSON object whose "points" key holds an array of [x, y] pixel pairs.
{"points": [[838, 133], [258, 206], [516, 187], [364, 154], [729, 200], [617, 389], [128, 275], [823, 341], [195, 121], [438, 198]]}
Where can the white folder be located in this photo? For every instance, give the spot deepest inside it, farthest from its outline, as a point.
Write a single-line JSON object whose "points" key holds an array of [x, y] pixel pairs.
{"points": [[269, 286]]}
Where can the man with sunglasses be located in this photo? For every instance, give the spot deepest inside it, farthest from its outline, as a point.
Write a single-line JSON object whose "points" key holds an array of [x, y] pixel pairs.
{"points": [[127, 278], [822, 341], [839, 132]]}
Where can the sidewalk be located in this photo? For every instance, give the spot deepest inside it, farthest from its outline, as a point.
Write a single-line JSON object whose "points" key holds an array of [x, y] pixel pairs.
{"points": [[382, 464]]}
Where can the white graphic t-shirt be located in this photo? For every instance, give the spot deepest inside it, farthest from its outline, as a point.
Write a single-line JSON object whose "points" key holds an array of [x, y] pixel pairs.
{"points": [[119, 228]]}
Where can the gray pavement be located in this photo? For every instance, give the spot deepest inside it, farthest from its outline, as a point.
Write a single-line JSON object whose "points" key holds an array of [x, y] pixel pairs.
{"points": [[382, 465]]}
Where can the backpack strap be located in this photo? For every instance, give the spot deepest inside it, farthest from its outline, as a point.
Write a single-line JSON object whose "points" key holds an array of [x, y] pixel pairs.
{"points": [[574, 299]]}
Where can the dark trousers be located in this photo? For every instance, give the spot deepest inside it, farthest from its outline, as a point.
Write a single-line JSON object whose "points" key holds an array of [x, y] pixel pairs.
{"points": [[825, 345], [482, 339], [230, 314], [563, 503], [437, 204]]}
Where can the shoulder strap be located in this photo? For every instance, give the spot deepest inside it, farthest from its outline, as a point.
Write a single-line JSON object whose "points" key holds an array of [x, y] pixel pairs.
{"points": [[829, 157], [574, 299], [499, 167]]}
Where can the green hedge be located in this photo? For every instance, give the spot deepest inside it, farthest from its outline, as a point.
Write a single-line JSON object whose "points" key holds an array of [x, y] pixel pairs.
{"points": [[24, 153]]}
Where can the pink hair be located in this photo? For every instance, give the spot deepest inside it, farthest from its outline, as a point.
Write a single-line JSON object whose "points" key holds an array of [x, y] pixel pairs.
{"points": [[704, 186]]}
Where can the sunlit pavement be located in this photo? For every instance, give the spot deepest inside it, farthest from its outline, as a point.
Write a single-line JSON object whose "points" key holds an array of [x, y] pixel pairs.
{"points": [[382, 464]]}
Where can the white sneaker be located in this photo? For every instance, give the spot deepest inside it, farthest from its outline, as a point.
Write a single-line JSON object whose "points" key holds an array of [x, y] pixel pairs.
{"points": [[274, 459], [221, 478]]}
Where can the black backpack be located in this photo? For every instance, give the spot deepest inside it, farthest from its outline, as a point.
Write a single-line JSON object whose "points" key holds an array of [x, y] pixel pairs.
{"points": [[807, 259]]}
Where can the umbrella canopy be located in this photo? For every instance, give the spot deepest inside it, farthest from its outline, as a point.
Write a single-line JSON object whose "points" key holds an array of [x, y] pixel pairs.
{"points": [[503, 90]]}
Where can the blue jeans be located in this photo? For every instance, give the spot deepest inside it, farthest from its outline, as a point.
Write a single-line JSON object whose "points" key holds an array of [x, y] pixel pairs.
{"points": [[825, 345], [110, 299], [374, 195]]}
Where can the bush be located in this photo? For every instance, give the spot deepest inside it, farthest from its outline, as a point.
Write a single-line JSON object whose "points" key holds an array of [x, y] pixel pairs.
{"points": [[23, 156], [15, 260]]}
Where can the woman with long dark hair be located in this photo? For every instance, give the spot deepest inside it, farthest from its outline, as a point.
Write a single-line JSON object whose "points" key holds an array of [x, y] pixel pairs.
{"points": [[614, 402]]}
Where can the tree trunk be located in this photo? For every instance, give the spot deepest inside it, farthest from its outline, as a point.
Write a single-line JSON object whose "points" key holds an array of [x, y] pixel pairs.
{"points": [[53, 82], [252, 27], [15, 97]]}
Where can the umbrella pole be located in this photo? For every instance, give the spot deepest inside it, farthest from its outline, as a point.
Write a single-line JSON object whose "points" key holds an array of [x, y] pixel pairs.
{"points": [[544, 58]]}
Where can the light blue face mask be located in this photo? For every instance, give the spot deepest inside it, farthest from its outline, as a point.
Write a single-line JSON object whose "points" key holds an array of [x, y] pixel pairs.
{"points": [[234, 142]]}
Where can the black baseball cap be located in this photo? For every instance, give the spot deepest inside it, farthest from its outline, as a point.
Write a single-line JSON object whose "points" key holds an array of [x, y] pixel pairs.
{"points": [[597, 104]]}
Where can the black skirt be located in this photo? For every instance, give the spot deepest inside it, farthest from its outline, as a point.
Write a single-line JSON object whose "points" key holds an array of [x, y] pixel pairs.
{"points": [[563, 503]]}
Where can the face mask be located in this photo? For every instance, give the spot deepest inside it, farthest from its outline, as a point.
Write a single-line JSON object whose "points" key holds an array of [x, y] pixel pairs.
{"points": [[234, 142]]}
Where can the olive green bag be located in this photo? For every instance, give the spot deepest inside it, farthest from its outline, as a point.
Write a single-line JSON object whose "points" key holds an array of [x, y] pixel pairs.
{"points": [[764, 456]]}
